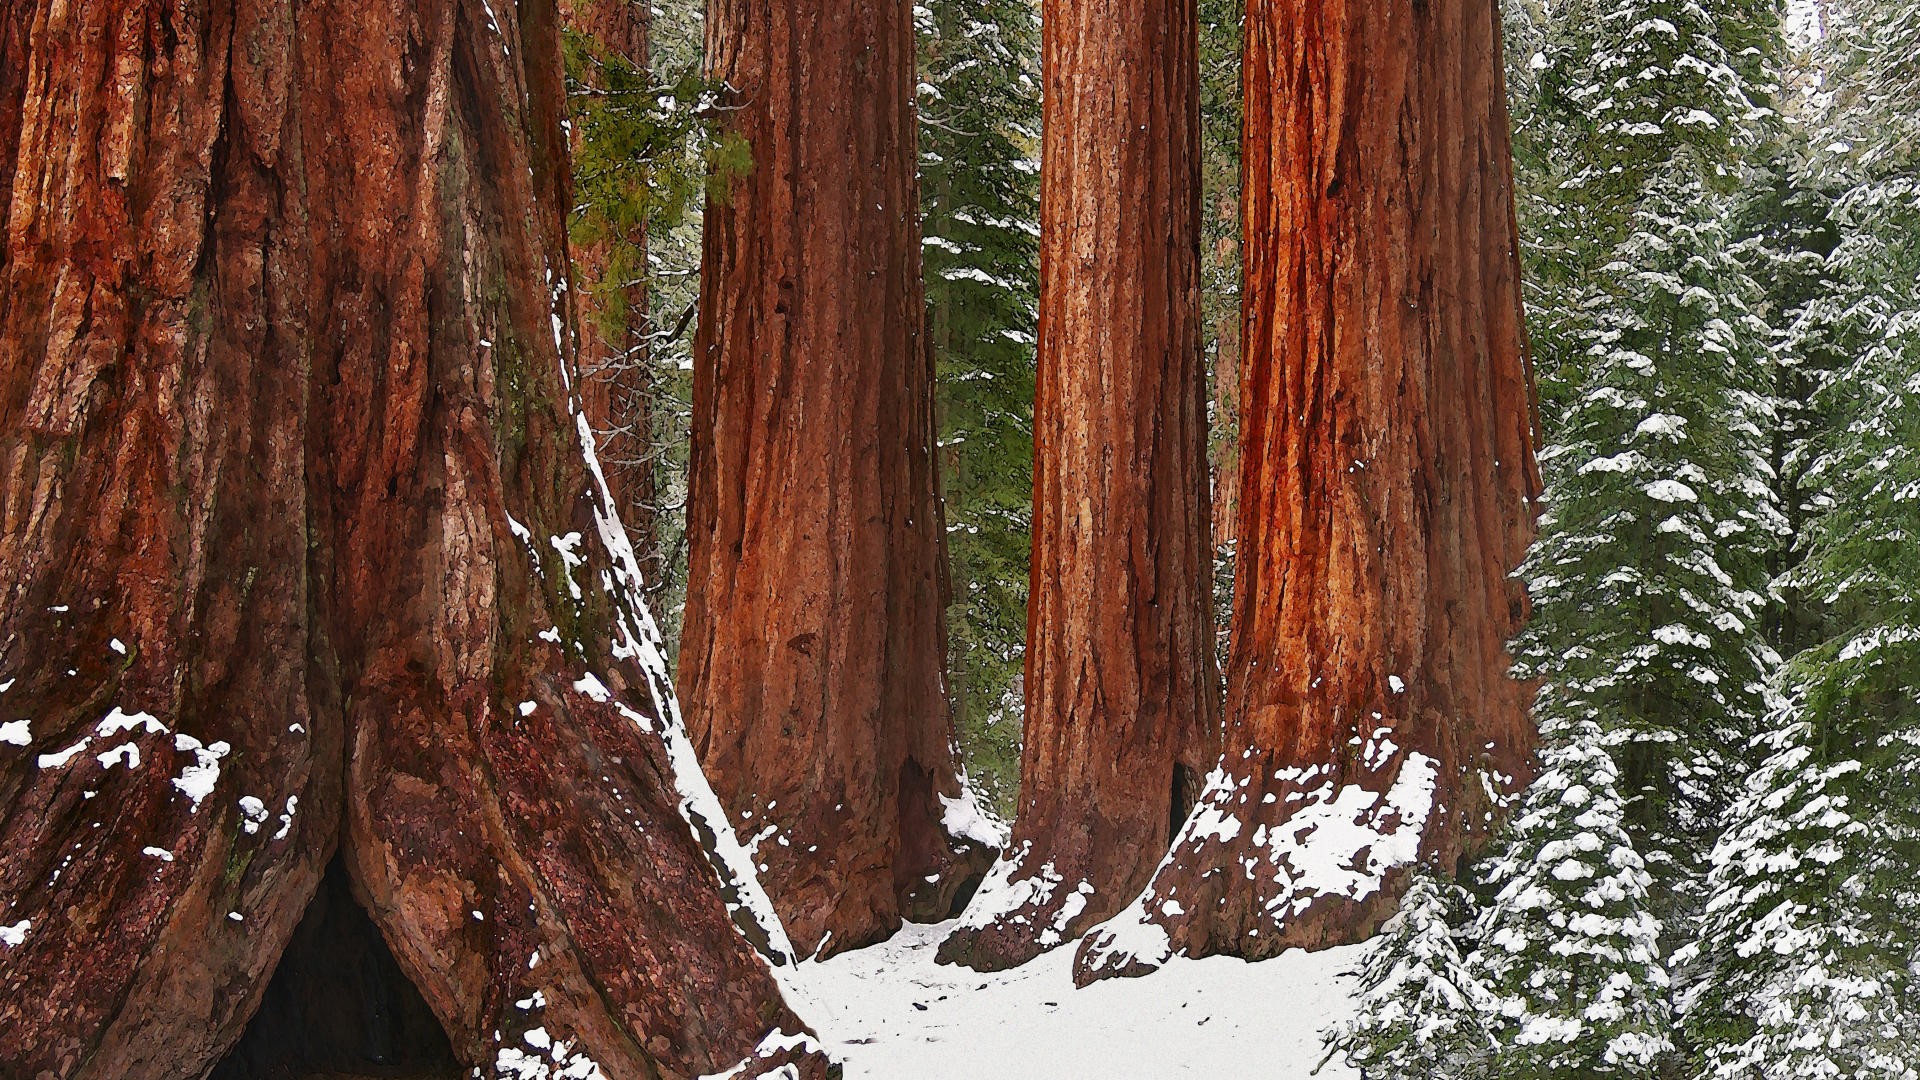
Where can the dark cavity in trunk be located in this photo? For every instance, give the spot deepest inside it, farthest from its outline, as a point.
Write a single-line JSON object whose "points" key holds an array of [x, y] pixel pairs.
{"points": [[338, 1006]]}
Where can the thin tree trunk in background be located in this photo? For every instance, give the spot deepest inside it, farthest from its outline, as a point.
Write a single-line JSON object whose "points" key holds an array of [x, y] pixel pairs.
{"points": [[813, 656], [1122, 685], [1387, 482], [616, 383], [299, 555], [1226, 396]]}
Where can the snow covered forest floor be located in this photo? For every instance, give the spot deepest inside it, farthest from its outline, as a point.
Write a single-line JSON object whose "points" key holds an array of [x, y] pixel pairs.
{"points": [[889, 1012]]}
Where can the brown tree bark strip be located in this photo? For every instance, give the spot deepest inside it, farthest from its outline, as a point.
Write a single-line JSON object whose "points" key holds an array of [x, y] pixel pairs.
{"points": [[1122, 687], [611, 316], [814, 643], [1388, 487], [292, 505], [1226, 395]]}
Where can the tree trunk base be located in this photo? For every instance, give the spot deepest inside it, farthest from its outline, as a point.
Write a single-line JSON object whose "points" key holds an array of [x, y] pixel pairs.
{"points": [[1280, 856]]}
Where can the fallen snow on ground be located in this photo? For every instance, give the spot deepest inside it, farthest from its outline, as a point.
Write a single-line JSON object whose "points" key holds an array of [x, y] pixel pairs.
{"points": [[890, 1013]]}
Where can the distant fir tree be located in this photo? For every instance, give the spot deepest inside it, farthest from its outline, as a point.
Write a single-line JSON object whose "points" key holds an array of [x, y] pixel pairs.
{"points": [[646, 153], [980, 203], [649, 152], [1422, 1012], [676, 40], [1810, 936], [1788, 234]]}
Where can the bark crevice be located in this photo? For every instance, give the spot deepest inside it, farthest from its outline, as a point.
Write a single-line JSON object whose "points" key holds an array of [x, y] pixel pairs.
{"points": [[338, 1005]]}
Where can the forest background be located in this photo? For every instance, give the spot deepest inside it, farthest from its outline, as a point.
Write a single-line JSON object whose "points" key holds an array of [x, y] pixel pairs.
{"points": [[1717, 202]]}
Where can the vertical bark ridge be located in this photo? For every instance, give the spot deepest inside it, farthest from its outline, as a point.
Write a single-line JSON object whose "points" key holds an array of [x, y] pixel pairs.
{"points": [[298, 549], [1388, 487], [1121, 683], [813, 652]]}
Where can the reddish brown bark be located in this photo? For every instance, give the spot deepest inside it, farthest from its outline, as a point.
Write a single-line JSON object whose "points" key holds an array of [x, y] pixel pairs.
{"points": [[1388, 487], [1121, 684], [1226, 393], [813, 650], [610, 313], [293, 507]]}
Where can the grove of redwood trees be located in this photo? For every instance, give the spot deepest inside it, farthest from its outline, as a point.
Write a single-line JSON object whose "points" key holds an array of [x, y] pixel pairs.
{"points": [[302, 563], [1387, 490], [813, 657], [1121, 683], [321, 647]]}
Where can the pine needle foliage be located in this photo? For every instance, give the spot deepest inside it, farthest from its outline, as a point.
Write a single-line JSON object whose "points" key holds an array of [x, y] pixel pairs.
{"points": [[979, 185]]}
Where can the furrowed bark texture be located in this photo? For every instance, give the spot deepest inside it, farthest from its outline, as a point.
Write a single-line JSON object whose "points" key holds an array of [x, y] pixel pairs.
{"points": [[611, 315], [813, 648], [1122, 689], [299, 553], [1388, 487]]}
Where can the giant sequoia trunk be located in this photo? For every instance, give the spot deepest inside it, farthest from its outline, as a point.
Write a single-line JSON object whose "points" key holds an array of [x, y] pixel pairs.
{"points": [[616, 385], [813, 652], [299, 554], [1387, 488], [1121, 684]]}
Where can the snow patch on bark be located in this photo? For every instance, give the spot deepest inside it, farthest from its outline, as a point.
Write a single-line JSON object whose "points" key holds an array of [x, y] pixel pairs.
{"points": [[1344, 839], [547, 1060], [197, 780], [1016, 894], [286, 818], [1008, 888], [253, 813]]}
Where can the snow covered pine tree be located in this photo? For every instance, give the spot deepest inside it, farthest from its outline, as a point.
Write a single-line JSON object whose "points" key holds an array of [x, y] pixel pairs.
{"points": [[1648, 577], [1422, 1012], [1807, 944]]}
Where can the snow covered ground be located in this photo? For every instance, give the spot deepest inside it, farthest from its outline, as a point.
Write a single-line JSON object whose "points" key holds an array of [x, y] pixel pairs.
{"points": [[890, 1013]]}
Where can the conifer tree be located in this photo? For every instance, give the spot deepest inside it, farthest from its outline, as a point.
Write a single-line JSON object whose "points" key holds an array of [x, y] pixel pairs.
{"points": [[1121, 687], [1789, 234], [1572, 952], [1388, 483], [1807, 945], [299, 492], [1423, 1012], [813, 656], [979, 135], [1648, 578]]}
